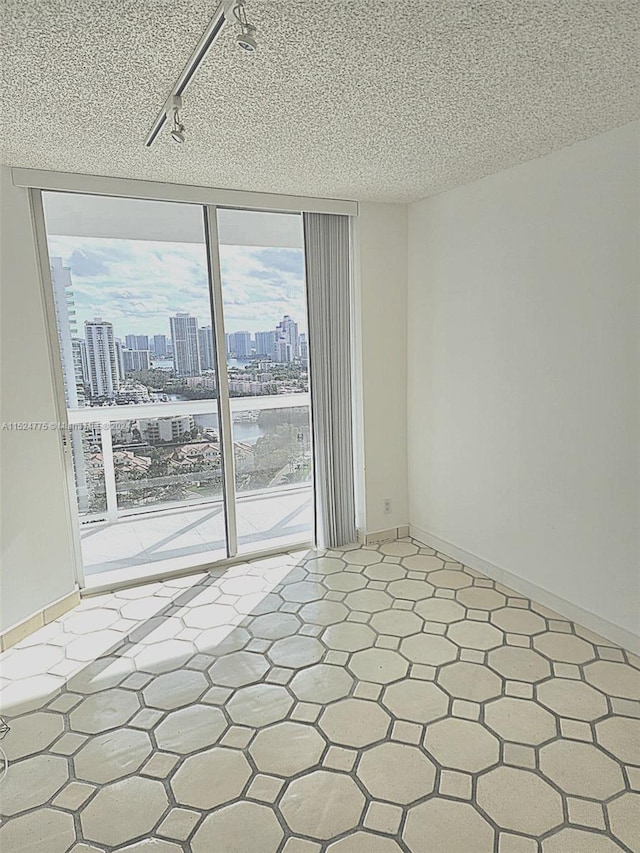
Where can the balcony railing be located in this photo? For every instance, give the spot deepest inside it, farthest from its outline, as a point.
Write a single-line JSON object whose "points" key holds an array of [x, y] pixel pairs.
{"points": [[137, 458]]}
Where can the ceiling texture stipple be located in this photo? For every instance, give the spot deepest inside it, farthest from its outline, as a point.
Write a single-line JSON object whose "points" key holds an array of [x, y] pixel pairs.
{"points": [[368, 100]]}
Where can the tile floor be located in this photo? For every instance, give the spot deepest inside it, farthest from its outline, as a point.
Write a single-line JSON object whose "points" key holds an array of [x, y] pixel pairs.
{"points": [[366, 700], [169, 540]]}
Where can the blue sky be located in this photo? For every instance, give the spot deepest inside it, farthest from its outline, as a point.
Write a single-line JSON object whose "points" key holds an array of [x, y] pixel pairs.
{"points": [[138, 284]]}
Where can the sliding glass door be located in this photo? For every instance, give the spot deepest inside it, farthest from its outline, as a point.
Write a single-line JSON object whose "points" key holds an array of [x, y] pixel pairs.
{"points": [[183, 352], [266, 344]]}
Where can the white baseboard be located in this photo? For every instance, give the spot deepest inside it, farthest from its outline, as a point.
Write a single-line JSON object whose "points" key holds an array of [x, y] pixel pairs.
{"points": [[377, 537], [609, 630], [39, 619]]}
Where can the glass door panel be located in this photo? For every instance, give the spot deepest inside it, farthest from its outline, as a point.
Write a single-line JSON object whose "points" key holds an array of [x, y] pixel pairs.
{"points": [[266, 344], [136, 334]]}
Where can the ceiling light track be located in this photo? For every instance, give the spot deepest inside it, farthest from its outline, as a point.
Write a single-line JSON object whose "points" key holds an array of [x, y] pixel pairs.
{"points": [[228, 10]]}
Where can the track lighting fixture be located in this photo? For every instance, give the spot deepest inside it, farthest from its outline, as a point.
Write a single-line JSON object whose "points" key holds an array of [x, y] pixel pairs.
{"points": [[228, 10], [246, 36], [177, 132]]}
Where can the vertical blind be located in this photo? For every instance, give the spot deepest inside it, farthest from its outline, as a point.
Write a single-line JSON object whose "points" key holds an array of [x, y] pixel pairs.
{"points": [[328, 262]]}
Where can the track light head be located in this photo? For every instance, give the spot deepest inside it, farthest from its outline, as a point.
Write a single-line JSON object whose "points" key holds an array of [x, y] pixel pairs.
{"points": [[177, 133], [247, 41], [246, 37]]}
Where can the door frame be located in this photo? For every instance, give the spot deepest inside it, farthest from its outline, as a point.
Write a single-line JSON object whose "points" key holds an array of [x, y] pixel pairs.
{"points": [[209, 200]]}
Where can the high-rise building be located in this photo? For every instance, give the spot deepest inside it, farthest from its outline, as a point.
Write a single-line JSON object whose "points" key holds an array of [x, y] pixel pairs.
{"points": [[240, 344], [104, 374], [160, 345], [137, 342], [205, 343], [73, 375], [67, 327], [304, 349], [186, 352], [265, 342], [80, 362], [134, 359], [287, 342]]}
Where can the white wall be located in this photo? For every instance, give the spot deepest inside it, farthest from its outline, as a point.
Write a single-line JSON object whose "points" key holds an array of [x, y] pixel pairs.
{"points": [[35, 548], [523, 322], [380, 261]]}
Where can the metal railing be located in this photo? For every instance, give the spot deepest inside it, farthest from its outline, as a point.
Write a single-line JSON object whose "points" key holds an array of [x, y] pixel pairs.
{"points": [[105, 417]]}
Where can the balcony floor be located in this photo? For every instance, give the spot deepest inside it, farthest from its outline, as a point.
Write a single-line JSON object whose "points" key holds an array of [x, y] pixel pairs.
{"points": [[172, 539]]}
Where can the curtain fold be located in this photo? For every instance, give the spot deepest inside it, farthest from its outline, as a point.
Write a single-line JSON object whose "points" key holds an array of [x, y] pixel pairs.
{"points": [[328, 267]]}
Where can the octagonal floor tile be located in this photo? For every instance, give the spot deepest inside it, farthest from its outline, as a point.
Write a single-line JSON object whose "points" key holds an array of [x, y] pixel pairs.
{"points": [[450, 579], [274, 626], [470, 681], [325, 565], [422, 563], [175, 689], [32, 783], [354, 722], [573, 699], [481, 598], [368, 600], [449, 826], [209, 616], [324, 612], [520, 664], [210, 779], [303, 591], [103, 711], [239, 828], [564, 647], [322, 804], [397, 773], [398, 548], [614, 679], [287, 748], [345, 581], [519, 720], [42, 831], [416, 701], [385, 572], [581, 769], [428, 648], [190, 729], [295, 652], [259, 705], [349, 637], [363, 557], [579, 840], [397, 623], [519, 800], [31, 734], [123, 811], [411, 590], [518, 620], [624, 817], [475, 635], [440, 610], [238, 669], [102, 674], [381, 666], [461, 745], [164, 656], [112, 755], [321, 683], [621, 737]]}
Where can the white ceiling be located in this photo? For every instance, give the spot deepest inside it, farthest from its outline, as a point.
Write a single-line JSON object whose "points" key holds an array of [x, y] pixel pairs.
{"points": [[365, 100]]}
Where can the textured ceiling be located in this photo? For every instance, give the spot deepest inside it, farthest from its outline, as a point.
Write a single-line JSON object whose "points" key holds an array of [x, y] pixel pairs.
{"points": [[365, 100]]}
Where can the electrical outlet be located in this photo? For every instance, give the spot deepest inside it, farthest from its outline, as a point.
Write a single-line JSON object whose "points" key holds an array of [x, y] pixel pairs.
{"points": [[387, 506]]}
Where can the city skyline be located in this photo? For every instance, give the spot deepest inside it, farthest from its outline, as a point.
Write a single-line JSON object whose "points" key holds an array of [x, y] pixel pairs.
{"points": [[135, 283]]}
